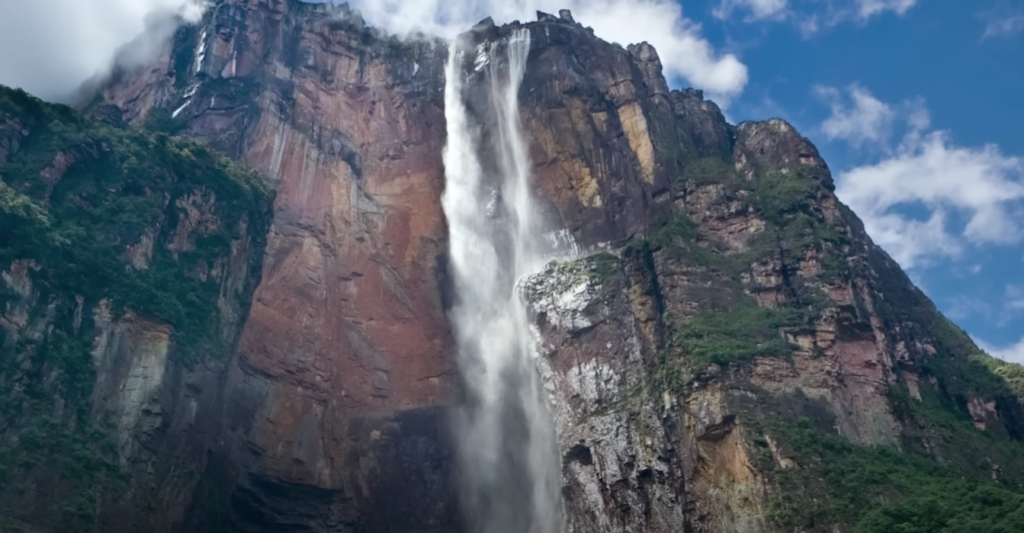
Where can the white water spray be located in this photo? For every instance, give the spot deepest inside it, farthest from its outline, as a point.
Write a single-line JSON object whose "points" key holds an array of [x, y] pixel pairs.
{"points": [[508, 453]]}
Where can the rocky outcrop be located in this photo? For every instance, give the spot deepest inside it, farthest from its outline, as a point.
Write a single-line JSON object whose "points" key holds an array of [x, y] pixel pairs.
{"points": [[331, 411], [127, 267], [667, 406], [736, 297]]}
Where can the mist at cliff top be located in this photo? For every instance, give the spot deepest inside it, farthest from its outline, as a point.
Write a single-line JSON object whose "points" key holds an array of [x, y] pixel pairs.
{"points": [[50, 47], [689, 59]]}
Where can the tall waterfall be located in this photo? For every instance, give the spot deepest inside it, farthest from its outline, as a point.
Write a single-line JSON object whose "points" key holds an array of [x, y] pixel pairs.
{"points": [[507, 449]]}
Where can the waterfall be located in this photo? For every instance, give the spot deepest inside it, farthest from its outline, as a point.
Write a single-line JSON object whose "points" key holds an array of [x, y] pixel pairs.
{"points": [[508, 454]]}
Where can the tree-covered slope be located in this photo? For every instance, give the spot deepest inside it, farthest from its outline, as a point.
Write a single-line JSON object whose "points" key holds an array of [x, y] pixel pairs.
{"points": [[128, 260]]}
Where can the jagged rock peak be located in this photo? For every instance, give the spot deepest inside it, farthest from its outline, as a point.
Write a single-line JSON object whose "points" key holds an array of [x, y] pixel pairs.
{"points": [[484, 24], [564, 16]]}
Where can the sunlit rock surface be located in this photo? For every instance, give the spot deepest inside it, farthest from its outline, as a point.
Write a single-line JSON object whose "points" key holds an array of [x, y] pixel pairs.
{"points": [[723, 296]]}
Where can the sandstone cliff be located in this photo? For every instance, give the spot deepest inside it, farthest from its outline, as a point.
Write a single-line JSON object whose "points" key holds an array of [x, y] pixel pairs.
{"points": [[332, 410], [741, 318], [736, 342], [127, 266]]}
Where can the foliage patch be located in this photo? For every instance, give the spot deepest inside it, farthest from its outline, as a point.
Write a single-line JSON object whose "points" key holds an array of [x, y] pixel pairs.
{"points": [[883, 490], [75, 197]]}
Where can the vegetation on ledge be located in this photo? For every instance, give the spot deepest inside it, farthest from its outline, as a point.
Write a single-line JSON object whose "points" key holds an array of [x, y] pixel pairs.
{"points": [[884, 490], [119, 187], [782, 200], [76, 195], [736, 336], [947, 475]]}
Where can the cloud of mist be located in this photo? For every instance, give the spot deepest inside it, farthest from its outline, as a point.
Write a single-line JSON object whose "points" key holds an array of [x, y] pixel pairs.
{"points": [[687, 56], [51, 47]]}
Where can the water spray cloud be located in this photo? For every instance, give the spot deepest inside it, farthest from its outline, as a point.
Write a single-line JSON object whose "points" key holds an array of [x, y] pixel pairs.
{"points": [[688, 58], [51, 47]]}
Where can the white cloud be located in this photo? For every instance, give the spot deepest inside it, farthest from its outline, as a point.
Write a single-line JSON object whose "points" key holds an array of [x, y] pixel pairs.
{"points": [[757, 9], [1003, 26], [1005, 18], [1013, 353], [866, 119], [1015, 297], [972, 196], [50, 47], [962, 307], [917, 115], [685, 53], [811, 16], [869, 8], [979, 308]]}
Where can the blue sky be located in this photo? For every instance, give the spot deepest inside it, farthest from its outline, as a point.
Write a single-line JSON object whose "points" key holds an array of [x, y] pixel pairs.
{"points": [[915, 104]]}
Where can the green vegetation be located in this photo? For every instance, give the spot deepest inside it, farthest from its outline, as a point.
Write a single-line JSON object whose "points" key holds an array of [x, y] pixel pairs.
{"points": [[740, 331], [603, 267], [681, 237], [74, 197], [1011, 374], [783, 201], [85, 457], [881, 490], [70, 446], [780, 195], [737, 336], [120, 186], [947, 476], [603, 270], [729, 337], [160, 120], [710, 171], [667, 376]]}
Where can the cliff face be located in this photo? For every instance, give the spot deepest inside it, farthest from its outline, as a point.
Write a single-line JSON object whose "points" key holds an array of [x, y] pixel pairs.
{"points": [[127, 266], [736, 318], [331, 410]]}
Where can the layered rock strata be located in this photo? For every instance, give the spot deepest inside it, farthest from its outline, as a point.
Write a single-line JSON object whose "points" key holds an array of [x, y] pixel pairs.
{"points": [[332, 413]]}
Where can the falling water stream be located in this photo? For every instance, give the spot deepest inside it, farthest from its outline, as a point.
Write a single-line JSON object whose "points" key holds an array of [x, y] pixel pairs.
{"points": [[507, 448]]}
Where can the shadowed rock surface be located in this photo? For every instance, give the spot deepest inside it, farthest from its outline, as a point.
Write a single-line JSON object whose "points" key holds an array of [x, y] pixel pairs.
{"points": [[732, 357]]}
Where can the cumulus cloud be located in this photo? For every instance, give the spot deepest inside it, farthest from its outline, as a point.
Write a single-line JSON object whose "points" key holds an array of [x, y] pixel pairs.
{"points": [[864, 119], [756, 9], [811, 16], [1013, 353], [969, 196], [52, 46], [869, 8], [686, 54]]}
